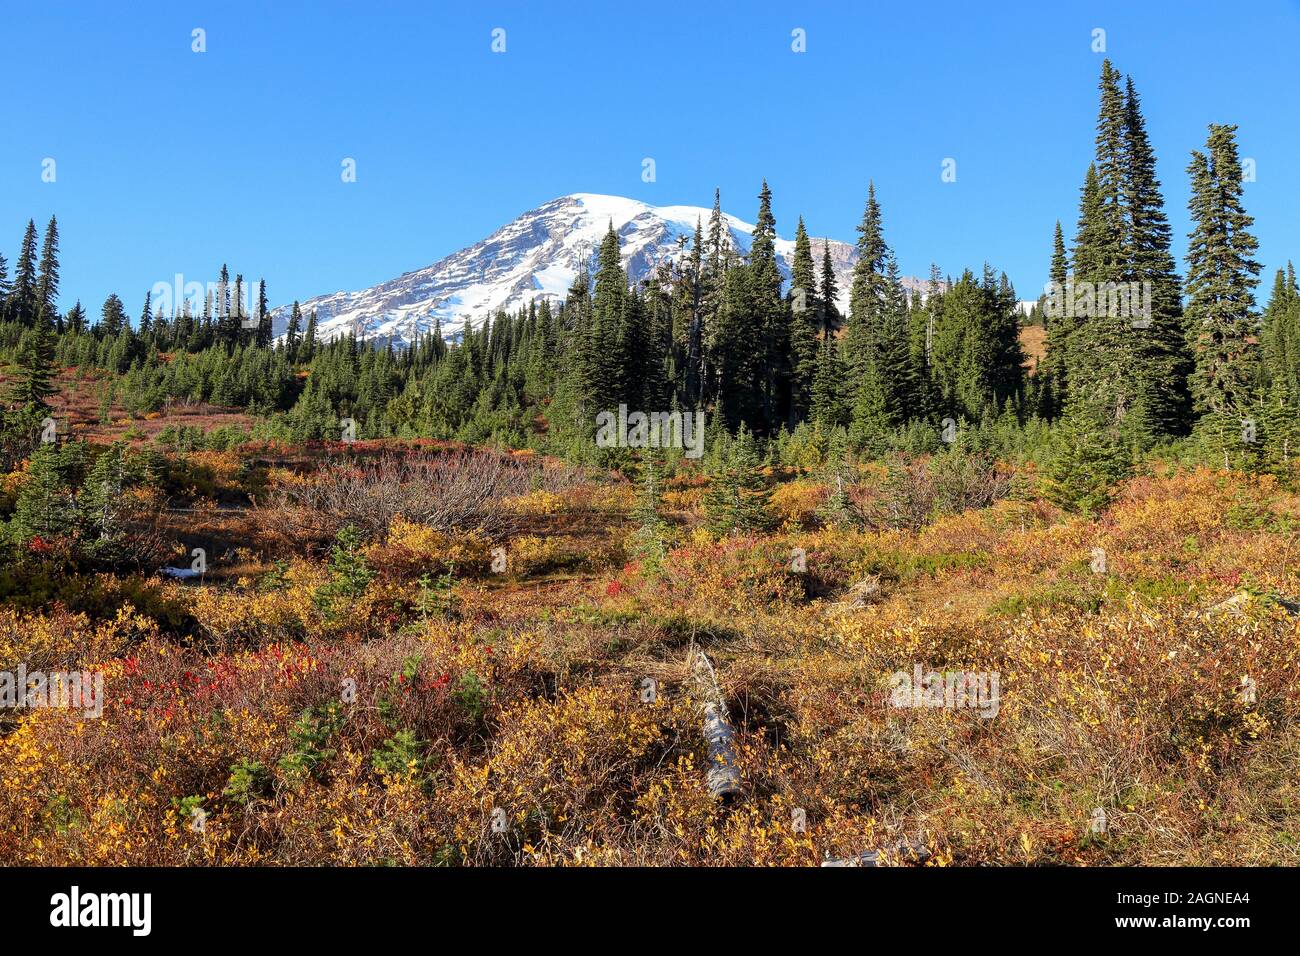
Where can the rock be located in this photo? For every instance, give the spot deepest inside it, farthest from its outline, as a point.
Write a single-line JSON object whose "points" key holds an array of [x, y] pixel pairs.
{"points": [[183, 573]]}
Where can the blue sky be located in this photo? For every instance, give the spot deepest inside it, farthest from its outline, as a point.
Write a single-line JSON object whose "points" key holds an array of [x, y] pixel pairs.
{"points": [[171, 161]]}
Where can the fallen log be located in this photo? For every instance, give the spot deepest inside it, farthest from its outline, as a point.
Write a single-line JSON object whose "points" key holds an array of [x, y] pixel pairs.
{"points": [[1290, 605], [864, 593], [1238, 602], [907, 851], [722, 776]]}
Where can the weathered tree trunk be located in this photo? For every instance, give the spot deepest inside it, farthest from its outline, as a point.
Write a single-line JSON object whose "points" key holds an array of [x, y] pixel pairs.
{"points": [[908, 851], [722, 777]]}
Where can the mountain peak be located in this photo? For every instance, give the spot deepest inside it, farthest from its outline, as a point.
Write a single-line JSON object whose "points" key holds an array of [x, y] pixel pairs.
{"points": [[534, 256]]}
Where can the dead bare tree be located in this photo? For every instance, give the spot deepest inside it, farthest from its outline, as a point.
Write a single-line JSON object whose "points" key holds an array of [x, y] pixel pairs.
{"points": [[453, 491]]}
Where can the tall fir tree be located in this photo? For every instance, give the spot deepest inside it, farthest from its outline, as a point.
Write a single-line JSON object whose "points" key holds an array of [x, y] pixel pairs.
{"points": [[773, 362], [604, 377], [293, 334], [804, 325], [1166, 360], [4, 289], [262, 335], [1054, 368], [1280, 332], [1127, 360], [23, 308], [308, 350], [146, 317], [47, 282], [878, 352], [828, 314], [1221, 278]]}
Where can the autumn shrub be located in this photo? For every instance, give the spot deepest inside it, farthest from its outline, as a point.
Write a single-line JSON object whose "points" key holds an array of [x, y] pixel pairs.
{"points": [[537, 502], [918, 489], [238, 618], [537, 554], [797, 502]]}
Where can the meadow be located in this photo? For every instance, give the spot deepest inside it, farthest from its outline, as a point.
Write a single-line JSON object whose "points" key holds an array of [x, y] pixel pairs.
{"points": [[422, 653]]}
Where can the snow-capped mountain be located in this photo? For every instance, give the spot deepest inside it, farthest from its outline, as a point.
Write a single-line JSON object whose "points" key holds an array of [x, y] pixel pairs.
{"points": [[535, 256]]}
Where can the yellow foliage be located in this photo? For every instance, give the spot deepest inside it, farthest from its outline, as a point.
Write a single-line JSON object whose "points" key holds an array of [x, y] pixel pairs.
{"points": [[797, 500], [537, 502], [419, 544]]}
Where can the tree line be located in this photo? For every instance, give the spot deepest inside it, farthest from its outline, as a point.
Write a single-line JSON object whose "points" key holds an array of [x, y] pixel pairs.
{"points": [[721, 331]]}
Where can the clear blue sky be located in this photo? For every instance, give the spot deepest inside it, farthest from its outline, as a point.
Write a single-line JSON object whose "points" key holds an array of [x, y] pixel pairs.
{"points": [[171, 161]]}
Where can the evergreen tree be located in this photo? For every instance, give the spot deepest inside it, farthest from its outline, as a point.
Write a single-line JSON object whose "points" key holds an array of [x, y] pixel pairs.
{"points": [[1281, 429], [1105, 369], [737, 498], [23, 300], [604, 376], [977, 361], [293, 333], [75, 321], [262, 336], [230, 330], [47, 283], [1111, 172], [146, 318], [1087, 256], [1280, 332], [1086, 461], [4, 289], [34, 358], [223, 297], [45, 507], [1221, 278], [868, 293], [308, 350], [648, 543], [112, 316], [804, 325], [1060, 326], [827, 311], [350, 573], [878, 353], [100, 505], [1161, 339], [691, 292], [713, 277], [738, 349], [828, 407], [1127, 354], [773, 320]]}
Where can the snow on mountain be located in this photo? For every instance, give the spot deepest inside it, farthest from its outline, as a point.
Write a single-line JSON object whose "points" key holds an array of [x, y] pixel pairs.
{"points": [[534, 257]]}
